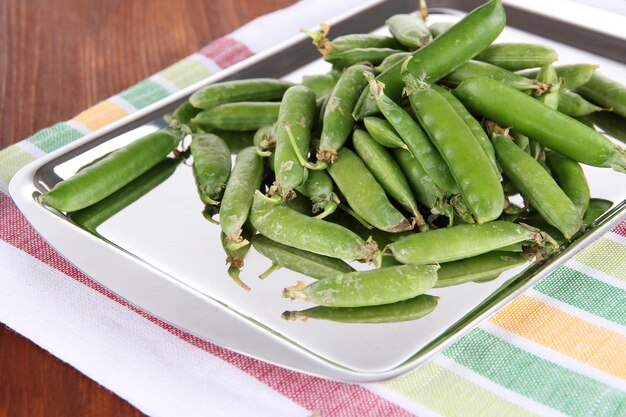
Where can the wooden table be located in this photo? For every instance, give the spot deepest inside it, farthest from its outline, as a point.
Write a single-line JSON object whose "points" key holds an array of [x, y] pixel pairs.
{"points": [[56, 59]]}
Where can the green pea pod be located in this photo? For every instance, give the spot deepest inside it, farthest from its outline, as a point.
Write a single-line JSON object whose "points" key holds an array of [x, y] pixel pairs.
{"points": [[111, 172], [240, 116], [180, 118], [477, 268], [535, 220], [473, 69], [211, 166], [549, 75], [518, 56], [409, 30], [321, 84], [537, 186], [443, 55], [281, 224], [383, 132], [416, 140], [612, 124], [255, 89], [406, 310], [368, 288], [236, 141], [319, 188], [569, 137], [307, 263], [606, 92], [571, 178], [387, 173], [244, 180], [391, 60], [293, 128], [572, 76], [265, 140], [373, 56], [338, 121], [458, 242], [94, 215], [353, 41], [468, 162], [597, 207], [235, 255], [439, 28], [574, 105]]}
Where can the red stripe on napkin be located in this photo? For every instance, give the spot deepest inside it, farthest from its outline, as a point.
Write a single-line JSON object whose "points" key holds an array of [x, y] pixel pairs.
{"points": [[620, 229], [226, 51], [328, 397]]}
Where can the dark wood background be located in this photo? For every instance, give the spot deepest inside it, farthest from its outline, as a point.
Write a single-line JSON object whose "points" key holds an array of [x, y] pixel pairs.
{"points": [[56, 59]]}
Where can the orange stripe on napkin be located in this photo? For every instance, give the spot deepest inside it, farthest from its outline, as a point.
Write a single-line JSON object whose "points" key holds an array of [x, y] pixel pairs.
{"points": [[100, 115]]}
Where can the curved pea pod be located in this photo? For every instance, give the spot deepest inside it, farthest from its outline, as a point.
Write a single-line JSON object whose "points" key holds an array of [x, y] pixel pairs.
{"points": [[265, 140], [338, 121], [571, 76], [518, 56], [391, 60], [477, 268], [319, 188], [364, 194], [570, 177], [244, 180], [612, 124], [383, 132], [574, 105], [321, 84], [468, 162], [443, 55], [606, 92], [111, 172], [569, 137], [368, 288], [240, 116], [458, 242], [472, 69], [415, 139], [373, 56], [597, 207], [255, 89], [235, 255], [298, 260], [211, 166], [387, 173], [406, 310], [89, 218], [281, 224], [409, 30], [537, 186], [347, 42], [293, 135]]}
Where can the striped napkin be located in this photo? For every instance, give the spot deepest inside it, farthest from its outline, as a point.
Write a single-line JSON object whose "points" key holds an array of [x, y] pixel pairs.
{"points": [[558, 349]]}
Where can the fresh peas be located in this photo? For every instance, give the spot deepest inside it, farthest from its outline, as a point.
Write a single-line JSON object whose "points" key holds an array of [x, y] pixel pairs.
{"points": [[391, 60], [480, 187], [574, 105], [477, 268], [606, 92], [518, 56], [307, 263], [368, 288], [409, 30], [235, 206], [319, 188], [293, 135], [364, 194], [281, 224], [240, 116], [572, 76], [458, 242], [112, 172], [569, 137], [353, 41], [180, 118], [373, 56], [259, 89], [571, 178], [211, 166], [405, 310], [235, 255], [537, 186], [473, 69], [383, 132]]}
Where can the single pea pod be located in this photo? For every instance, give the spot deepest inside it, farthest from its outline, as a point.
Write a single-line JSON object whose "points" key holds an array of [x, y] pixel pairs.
{"points": [[293, 136], [537, 186], [467, 160], [477, 268], [518, 56], [235, 255], [211, 166], [409, 30], [416, 140], [472, 69], [383, 132], [571, 178], [387, 172], [281, 224], [597, 207], [391, 60], [572, 75], [606, 92], [111, 172], [240, 116], [574, 105], [443, 55], [364, 194], [569, 137], [89, 218], [254, 89], [181, 116], [298, 260], [373, 56], [458, 242], [265, 140], [406, 310], [338, 121], [321, 84], [367, 288], [244, 180], [319, 188], [612, 124], [358, 40]]}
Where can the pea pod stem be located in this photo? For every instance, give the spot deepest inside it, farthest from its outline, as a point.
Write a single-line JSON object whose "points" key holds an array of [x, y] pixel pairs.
{"points": [[270, 270]]}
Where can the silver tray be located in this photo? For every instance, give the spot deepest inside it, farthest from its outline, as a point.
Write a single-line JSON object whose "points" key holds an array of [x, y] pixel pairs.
{"points": [[162, 256]]}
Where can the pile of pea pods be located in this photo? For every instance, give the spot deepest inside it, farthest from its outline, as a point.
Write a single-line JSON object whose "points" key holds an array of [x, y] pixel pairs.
{"points": [[433, 154]]}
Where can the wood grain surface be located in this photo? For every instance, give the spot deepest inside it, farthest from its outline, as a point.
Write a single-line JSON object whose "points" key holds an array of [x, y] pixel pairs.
{"points": [[56, 59]]}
